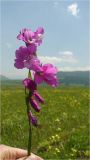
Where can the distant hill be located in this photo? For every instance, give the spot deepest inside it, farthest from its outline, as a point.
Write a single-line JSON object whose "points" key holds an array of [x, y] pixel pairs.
{"points": [[74, 78], [80, 78], [3, 78], [6, 81]]}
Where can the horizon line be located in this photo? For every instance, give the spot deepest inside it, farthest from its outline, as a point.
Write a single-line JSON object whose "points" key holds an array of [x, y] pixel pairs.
{"points": [[20, 77]]}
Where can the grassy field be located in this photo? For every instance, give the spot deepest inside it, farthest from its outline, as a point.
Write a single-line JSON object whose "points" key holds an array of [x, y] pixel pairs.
{"points": [[64, 122]]}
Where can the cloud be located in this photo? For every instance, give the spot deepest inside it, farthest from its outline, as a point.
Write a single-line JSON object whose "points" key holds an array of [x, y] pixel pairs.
{"points": [[84, 68], [63, 57], [68, 56], [47, 59], [73, 9]]}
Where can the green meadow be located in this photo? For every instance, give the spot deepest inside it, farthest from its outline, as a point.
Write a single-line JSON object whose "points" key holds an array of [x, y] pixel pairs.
{"points": [[63, 131]]}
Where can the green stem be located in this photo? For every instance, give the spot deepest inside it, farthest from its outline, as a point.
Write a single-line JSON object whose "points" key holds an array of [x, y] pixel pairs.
{"points": [[30, 128], [30, 139]]}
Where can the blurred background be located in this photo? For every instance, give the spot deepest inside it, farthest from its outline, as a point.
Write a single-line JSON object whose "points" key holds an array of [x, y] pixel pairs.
{"points": [[64, 120]]}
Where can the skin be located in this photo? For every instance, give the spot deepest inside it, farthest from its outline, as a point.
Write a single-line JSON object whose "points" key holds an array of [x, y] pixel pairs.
{"points": [[11, 153]]}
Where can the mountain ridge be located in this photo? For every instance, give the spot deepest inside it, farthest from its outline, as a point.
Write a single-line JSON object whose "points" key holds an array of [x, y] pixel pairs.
{"points": [[2, 77], [65, 78]]}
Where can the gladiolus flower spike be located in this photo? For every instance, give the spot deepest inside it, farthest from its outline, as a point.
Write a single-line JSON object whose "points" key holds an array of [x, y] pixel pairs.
{"points": [[26, 57]]}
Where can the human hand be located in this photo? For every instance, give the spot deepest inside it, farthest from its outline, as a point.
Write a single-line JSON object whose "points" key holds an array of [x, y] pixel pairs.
{"points": [[10, 153], [31, 157]]}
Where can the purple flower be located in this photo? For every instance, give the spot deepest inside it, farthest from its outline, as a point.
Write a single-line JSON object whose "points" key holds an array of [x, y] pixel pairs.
{"points": [[40, 30], [26, 35], [30, 84], [39, 35], [34, 104], [38, 97], [48, 74], [33, 119], [30, 37], [32, 49], [24, 58]]}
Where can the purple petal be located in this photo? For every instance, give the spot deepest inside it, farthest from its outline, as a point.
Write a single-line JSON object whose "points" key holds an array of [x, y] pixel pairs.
{"points": [[38, 79], [34, 105], [30, 37], [18, 64], [34, 64], [49, 69], [22, 53], [33, 119], [20, 37], [38, 97], [30, 84], [32, 48], [52, 81], [40, 30], [25, 57]]}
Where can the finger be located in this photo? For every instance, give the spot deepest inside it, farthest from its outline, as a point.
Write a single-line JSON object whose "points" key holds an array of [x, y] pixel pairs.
{"points": [[23, 158], [20, 152], [31, 157]]}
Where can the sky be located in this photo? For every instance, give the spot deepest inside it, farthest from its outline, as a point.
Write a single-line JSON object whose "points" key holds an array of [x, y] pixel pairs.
{"points": [[66, 38]]}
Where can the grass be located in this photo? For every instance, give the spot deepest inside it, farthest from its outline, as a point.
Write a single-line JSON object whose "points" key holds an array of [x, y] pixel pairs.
{"points": [[63, 132]]}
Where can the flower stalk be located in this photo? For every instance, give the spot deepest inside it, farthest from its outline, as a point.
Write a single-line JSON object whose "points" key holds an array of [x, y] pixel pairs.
{"points": [[30, 130], [27, 98], [26, 57]]}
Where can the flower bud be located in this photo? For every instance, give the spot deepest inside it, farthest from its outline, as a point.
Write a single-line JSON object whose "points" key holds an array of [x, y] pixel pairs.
{"points": [[33, 119], [30, 84], [38, 97], [34, 105]]}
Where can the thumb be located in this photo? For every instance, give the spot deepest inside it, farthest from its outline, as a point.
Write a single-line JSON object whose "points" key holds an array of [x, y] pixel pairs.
{"points": [[20, 152]]}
